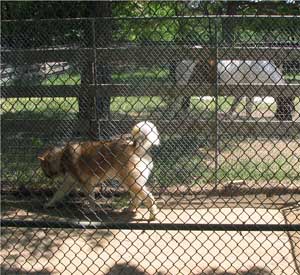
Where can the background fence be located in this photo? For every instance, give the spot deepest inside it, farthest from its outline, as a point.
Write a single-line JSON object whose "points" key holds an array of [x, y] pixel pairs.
{"points": [[223, 91]]}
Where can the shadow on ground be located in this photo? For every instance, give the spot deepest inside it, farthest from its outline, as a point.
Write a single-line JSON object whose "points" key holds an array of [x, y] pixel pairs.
{"points": [[125, 269], [12, 271], [72, 209]]}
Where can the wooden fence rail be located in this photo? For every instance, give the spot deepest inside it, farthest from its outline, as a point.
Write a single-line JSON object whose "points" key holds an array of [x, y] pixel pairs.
{"points": [[147, 55], [93, 53], [164, 89]]}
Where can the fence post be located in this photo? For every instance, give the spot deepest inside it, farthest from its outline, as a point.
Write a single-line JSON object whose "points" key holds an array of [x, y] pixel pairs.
{"points": [[213, 62], [185, 100], [94, 72], [103, 37], [85, 100]]}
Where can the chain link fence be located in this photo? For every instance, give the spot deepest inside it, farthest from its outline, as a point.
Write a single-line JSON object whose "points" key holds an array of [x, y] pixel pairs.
{"points": [[223, 92]]}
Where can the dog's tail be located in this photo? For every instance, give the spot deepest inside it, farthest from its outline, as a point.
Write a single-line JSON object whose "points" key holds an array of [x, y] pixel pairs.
{"points": [[145, 135]]}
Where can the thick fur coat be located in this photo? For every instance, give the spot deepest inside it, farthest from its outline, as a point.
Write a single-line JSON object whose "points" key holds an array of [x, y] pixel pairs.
{"points": [[88, 163]]}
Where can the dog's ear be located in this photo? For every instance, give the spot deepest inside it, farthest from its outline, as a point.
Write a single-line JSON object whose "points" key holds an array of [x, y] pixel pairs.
{"points": [[42, 156]]}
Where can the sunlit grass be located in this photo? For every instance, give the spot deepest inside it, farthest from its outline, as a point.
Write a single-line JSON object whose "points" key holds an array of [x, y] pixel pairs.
{"points": [[63, 79]]}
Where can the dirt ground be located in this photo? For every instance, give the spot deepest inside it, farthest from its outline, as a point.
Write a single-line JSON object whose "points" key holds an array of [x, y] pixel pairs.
{"points": [[60, 251], [112, 252]]}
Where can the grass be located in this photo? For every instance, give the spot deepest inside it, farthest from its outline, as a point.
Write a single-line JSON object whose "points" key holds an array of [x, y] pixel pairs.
{"points": [[38, 108], [193, 162], [135, 105], [277, 169], [63, 79], [142, 74], [65, 108], [292, 77]]}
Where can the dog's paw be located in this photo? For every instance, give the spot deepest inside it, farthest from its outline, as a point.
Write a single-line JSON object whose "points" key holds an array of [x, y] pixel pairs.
{"points": [[153, 213], [152, 217]]}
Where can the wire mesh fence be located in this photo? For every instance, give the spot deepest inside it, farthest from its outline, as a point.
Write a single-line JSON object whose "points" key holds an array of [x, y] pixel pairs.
{"points": [[151, 139]]}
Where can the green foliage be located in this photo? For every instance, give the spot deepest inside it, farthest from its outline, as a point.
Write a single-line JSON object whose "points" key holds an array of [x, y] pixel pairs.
{"points": [[76, 9], [150, 28]]}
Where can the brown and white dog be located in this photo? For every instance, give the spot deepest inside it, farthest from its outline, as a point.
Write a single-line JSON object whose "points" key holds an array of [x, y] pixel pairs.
{"points": [[88, 163]]}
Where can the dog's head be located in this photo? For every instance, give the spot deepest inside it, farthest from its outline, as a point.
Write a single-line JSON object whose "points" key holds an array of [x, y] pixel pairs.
{"points": [[50, 161]]}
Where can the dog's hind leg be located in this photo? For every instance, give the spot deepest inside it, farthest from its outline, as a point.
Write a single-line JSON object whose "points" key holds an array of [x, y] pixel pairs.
{"points": [[87, 189], [142, 195], [68, 185], [147, 198], [150, 203], [87, 186]]}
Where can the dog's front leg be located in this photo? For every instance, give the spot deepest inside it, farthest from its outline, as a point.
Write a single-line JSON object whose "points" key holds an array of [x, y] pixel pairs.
{"points": [[68, 185]]}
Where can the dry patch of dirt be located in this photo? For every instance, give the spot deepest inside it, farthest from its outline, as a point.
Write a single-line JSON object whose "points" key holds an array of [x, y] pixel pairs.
{"points": [[61, 251]]}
